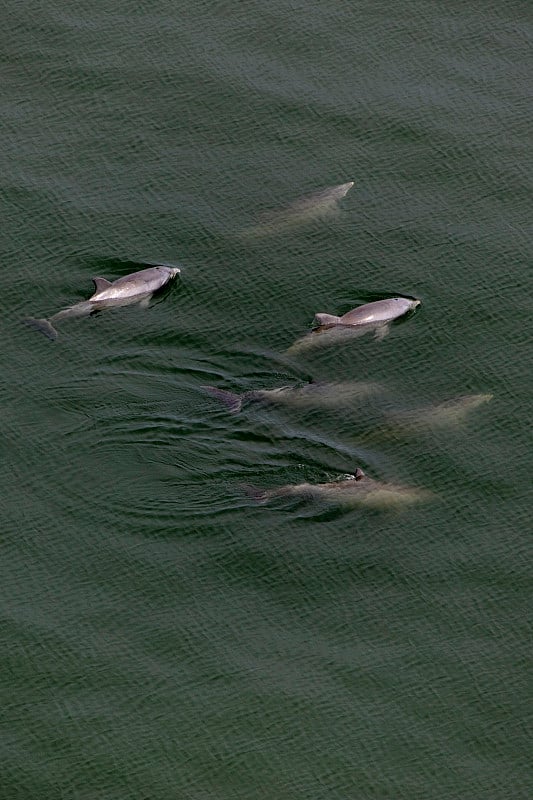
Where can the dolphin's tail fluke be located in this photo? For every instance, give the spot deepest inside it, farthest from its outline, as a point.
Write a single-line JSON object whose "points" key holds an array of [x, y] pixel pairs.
{"points": [[254, 492], [43, 326], [233, 402]]}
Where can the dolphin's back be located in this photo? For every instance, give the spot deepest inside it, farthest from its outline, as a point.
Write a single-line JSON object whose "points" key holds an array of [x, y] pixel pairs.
{"points": [[378, 311], [144, 282], [356, 491]]}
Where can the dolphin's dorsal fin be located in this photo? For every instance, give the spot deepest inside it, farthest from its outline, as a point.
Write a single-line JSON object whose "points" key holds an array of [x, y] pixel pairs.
{"points": [[327, 319], [100, 284]]}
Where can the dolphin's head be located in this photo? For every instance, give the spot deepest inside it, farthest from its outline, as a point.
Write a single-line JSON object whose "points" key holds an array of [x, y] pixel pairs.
{"points": [[337, 192], [412, 302], [345, 188], [172, 271]]}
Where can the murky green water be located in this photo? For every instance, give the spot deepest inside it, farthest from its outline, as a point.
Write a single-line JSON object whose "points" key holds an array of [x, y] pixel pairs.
{"points": [[163, 635]]}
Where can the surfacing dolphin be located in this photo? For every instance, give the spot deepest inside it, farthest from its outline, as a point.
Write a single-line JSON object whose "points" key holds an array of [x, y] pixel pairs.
{"points": [[135, 288], [319, 205], [375, 316], [348, 490], [311, 395]]}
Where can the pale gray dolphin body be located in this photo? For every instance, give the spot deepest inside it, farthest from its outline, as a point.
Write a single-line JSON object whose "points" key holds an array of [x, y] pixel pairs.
{"points": [[310, 395], [318, 205], [135, 288], [445, 415], [375, 316], [349, 490]]}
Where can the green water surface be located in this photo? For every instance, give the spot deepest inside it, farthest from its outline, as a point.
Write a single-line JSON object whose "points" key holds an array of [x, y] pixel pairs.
{"points": [[163, 636]]}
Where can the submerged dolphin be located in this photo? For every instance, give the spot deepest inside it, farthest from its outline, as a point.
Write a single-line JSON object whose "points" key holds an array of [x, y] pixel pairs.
{"points": [[375, 316], [318, 205], [138, 287], [310, 395], [448, 414], [349, 490]]}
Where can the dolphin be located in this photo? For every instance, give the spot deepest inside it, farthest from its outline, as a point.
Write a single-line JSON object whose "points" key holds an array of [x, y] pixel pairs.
{"points": [[445, 415], [375, 316], [317, 205], [348, 490], [310, 395], [137, 287]]}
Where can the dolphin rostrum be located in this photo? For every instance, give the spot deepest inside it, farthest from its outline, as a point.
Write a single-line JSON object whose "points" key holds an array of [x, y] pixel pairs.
{"points": [[348, 490], [375, 316], [317, 205], [137, 287], [311, 395]]}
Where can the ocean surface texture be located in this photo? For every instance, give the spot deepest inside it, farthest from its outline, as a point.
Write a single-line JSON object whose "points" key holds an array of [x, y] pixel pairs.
{"points": [[164, 635]]}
